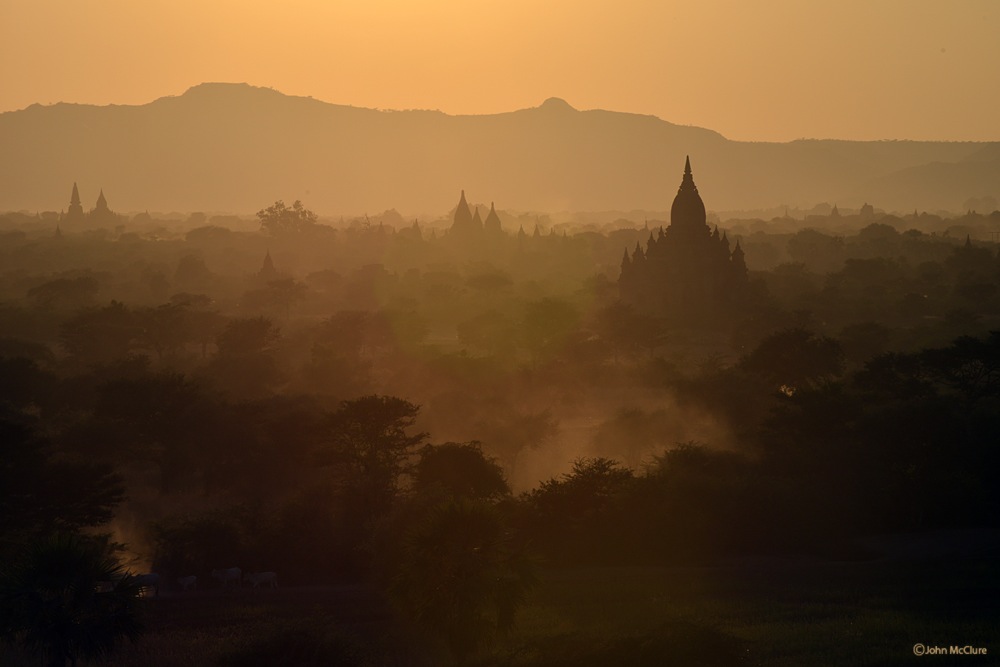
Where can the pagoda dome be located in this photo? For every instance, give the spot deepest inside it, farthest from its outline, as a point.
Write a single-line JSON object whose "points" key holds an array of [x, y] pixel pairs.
{"points": [[688, 210]]}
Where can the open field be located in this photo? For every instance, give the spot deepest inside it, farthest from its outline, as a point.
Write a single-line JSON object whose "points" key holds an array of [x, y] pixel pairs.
{"points": [[767, 611]]}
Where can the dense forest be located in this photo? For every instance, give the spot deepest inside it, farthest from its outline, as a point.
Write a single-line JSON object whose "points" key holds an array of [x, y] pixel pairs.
{"points": [[445, 422]]}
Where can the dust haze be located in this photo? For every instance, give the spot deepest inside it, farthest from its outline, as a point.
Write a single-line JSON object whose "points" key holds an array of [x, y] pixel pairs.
{"points": [[432, 373]]}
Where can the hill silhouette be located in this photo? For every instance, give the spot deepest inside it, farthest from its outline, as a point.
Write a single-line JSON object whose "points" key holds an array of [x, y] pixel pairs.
{"points": [[235, 147]]}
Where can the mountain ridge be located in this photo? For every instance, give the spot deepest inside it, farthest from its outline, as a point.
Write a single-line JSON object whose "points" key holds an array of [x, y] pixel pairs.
{"points": [[237, 147]]}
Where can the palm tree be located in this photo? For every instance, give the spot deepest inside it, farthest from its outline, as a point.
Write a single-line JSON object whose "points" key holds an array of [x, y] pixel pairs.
{"points": [[68, 598]]}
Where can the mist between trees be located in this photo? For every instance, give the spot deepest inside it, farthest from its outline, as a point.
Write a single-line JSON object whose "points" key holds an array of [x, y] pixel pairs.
{"points": [[440, 415]]}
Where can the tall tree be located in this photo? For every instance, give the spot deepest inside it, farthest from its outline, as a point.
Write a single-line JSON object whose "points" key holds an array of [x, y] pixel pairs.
{"points": [[40, 492], [371, 443], [279, 218]]}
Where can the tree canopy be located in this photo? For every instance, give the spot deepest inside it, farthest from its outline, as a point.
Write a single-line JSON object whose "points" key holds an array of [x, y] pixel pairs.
{"points": [[279, 218]]}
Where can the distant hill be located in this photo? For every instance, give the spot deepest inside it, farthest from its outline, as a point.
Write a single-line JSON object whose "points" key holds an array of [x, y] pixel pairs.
{"points": [[235, 147]]}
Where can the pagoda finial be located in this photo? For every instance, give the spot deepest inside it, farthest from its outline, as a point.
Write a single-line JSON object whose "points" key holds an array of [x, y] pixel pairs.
{"points": [[687, 181]]}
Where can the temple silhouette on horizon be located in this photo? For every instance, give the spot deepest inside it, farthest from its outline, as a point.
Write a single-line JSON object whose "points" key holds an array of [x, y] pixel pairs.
{"points": [[687, 273], [468, 226], [99, 215]]}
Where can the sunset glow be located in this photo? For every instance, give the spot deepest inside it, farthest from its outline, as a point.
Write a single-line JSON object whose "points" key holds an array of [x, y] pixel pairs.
{"points": [[775, 70]]}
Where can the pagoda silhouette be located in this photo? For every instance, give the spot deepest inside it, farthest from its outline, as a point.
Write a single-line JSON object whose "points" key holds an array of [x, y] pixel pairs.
{"points": [[469, 229], [100, 215], [687, 273]]}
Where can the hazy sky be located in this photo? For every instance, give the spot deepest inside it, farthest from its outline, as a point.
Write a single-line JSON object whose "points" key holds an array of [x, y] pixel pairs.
{"points": [[761, 70]]}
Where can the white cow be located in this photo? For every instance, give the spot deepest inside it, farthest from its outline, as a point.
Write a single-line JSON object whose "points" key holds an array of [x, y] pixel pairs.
{"points": [[147, 581], [269, 579], [188, 582], [228, 575]]}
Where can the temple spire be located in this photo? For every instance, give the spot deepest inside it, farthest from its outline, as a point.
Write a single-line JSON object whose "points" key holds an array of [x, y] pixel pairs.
{"points": [[462, 224], [75, 212], [687, 182], [492, 224]]}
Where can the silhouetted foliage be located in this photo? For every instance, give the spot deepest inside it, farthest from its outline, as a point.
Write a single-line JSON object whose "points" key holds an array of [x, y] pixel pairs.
{"points": [[508, 433], [576, 517], [69, 599], [42, 491], [547, 324], [24, 383], [457, 579], [459, 470], [270, 419], [245, 365], [66, 292], [101, 335], [202, 542], [371, 449], [280, 219], [795, 358]]}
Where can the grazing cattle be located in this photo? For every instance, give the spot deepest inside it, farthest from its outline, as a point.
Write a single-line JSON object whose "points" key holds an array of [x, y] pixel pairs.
{"points": [[269, 579], [228, 576], [188, 582], [147, 581]]}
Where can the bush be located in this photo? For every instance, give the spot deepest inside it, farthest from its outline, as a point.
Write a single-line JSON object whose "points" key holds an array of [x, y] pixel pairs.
{"points": [[68, 597]]}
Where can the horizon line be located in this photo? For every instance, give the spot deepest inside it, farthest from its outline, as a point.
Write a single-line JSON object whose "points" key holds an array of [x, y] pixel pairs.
{"points": [[550, 100]]}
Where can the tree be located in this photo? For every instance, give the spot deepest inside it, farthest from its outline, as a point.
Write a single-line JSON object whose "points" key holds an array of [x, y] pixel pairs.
{"points": [[66, 292], [247, 337], [101, 335], [459, 469], [245, 364], [625, 329], [40, 492], [577, 517], [68, 598], [165, 329], [457, 579], [24, 382], [489, 332], [370, 442], [507, 432], [278, 218], [278, 296], [795, 358], [192, 272], [547, 324]]}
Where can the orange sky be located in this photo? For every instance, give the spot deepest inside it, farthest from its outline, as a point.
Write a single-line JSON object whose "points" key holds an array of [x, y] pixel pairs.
{"points": [[769, 70]]}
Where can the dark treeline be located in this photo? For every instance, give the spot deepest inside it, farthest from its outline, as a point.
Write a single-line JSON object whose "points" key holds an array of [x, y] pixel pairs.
{"points": [[397, 408]]}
